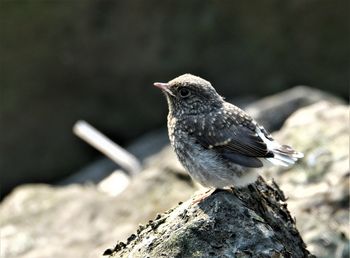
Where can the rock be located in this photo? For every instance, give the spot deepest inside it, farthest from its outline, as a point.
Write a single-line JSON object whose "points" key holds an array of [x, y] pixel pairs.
{"points": [[80, 221], [318, 187], [43, 221], [273, 110], [250, 222]]}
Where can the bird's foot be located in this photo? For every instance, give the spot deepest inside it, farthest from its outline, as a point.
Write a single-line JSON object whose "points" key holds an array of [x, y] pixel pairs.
{"points": [[202, 196]]}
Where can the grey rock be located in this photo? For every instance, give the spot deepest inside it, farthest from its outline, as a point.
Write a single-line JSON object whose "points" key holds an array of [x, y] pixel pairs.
{"points": [[318, 187], [273, 110], [80, 221], [42, 221], [249, 222]]}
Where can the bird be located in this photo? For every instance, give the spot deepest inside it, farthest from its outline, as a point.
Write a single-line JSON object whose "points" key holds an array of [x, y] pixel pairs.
{"points": [[219, 144]]}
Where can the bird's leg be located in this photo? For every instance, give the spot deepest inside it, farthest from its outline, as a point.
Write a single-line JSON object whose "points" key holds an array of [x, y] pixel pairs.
{"points": [[202, 196]]}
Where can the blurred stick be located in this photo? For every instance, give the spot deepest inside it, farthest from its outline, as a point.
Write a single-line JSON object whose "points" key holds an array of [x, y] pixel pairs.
{"points": [[95, 138]]}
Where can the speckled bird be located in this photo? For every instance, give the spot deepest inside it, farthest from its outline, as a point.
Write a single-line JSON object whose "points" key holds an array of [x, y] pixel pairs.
{"points": [[218, 143]]}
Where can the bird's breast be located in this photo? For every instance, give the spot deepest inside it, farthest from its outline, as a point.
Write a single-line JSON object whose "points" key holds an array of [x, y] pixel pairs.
{"points": [[172, 128]]}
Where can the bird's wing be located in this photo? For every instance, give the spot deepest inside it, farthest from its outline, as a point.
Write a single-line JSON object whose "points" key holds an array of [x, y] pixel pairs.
{"points": [[234, 138]]}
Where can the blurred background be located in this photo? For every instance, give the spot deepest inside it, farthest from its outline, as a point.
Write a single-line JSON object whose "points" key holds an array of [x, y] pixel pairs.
{"points": [[96, 60]]}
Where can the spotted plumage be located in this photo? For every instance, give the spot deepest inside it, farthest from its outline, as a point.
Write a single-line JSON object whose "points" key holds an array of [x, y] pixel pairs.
{"points": [[218, 143]]}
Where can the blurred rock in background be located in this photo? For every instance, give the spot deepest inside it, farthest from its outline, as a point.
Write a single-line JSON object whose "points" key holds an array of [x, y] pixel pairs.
{"points": [[81, 221], [96, 60], [318, 187]]}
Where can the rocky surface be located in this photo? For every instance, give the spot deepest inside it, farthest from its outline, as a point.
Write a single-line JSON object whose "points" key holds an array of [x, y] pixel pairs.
{"points": [[272, 111], [80, 221], [247, 222], [318, 187], [96, 60]]}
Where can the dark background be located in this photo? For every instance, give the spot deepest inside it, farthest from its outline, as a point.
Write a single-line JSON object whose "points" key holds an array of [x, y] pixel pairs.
{"points": [[96, 60]]}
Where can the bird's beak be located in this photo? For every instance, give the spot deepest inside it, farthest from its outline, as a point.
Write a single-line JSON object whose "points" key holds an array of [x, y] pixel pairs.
{"points": [[164, 87]]}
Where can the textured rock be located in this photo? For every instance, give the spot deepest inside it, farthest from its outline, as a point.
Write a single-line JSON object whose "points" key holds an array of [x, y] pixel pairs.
{"points": [[273, 110], [76, 221], [318, 187], [42, 221], [249, 222]]}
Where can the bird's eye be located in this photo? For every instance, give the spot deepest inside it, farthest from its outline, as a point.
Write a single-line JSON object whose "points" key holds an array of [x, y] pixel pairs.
{"points": [[184, 92]]}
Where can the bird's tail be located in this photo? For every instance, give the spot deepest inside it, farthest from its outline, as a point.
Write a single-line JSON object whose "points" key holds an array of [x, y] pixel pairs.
{"points": [[284, 155]]}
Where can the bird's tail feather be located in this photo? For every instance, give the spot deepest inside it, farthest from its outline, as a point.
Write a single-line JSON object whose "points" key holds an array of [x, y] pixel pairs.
{"points": [[285, 156]]}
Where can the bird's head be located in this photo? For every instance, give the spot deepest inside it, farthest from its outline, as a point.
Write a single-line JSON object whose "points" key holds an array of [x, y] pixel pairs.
{"points": [[189, 94]]}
